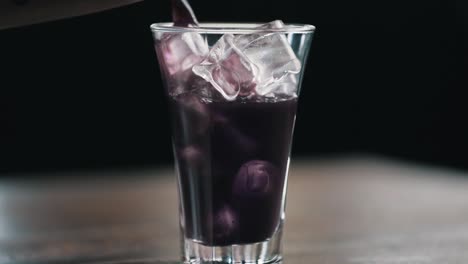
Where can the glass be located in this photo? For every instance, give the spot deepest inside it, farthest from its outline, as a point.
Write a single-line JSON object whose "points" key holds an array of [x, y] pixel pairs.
{"points": [[231, 155]]}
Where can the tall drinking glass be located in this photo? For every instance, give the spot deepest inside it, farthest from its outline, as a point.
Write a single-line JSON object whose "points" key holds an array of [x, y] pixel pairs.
{"points": [[233, 92]]}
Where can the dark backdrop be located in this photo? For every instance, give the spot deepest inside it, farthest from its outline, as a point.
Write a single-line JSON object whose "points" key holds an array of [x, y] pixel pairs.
{"points": [[384, 77]]}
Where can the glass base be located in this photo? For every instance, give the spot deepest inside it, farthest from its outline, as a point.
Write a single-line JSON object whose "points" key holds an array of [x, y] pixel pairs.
{"points": [[259, 253]]}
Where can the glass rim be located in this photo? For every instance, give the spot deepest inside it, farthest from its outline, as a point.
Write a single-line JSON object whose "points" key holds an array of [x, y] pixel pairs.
{"points": [[233, 28]]}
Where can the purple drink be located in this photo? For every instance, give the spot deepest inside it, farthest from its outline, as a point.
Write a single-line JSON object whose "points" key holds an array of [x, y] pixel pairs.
{"points": [[232, 159]]}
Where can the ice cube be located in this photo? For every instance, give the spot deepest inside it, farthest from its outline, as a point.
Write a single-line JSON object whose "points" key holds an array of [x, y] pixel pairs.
{"points": [[228, 69], [182, 51], [287, 87], [249, 64], [273, 56], [178, 53]]}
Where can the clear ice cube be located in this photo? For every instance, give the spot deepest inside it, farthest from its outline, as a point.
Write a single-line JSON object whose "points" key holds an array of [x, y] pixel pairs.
{"points": [[182, 51], [273, 56], [286, 87], [228, 69], [249, 64], [178, 53]]}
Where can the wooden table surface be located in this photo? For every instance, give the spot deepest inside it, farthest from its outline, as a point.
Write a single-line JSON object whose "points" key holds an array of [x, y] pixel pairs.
{"points": [[341, 211]]}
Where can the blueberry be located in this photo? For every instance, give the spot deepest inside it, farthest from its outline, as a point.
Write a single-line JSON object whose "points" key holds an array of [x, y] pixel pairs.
{"points": [[256, 195], [255, 178], [225, 223]]}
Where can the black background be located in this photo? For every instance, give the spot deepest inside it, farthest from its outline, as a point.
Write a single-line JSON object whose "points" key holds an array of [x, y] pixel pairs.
{"points": [[384, 77]]}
